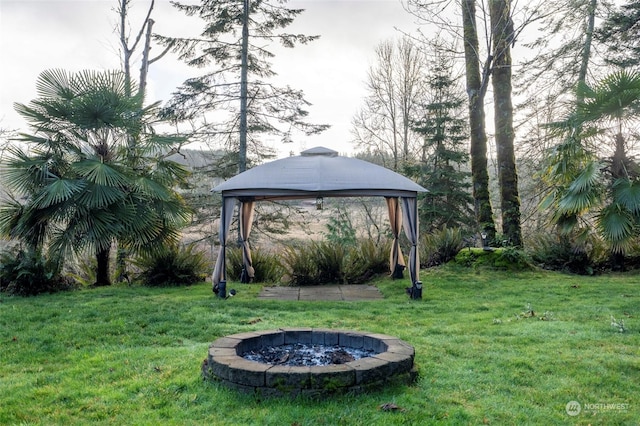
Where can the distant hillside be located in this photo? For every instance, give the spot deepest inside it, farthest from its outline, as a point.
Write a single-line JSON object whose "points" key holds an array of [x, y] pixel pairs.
{"points": [[194, 158]]}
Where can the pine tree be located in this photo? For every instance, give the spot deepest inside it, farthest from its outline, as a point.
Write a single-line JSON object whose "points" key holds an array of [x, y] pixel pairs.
{"points": [[444, 153], [232, 102], [620, 33]]}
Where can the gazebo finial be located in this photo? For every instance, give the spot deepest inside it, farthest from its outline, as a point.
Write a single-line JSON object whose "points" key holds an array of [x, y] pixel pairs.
{"points": [[319, 150]]}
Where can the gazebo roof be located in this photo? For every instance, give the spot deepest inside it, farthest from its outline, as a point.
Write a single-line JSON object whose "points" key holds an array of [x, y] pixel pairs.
{"points": [[318, 172]]}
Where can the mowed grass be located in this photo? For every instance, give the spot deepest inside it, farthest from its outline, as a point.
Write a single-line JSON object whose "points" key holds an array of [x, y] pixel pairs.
{"points": [[131, 355]]}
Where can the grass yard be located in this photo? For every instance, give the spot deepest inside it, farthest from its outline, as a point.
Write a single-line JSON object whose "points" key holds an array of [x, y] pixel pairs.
{"points": [[132, 355]]}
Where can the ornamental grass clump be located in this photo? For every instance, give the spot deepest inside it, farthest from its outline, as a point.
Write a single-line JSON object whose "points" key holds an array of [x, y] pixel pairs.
{"points": [[175, 265], [440, 246], [267, 265], [326, 262], [366, 259]]}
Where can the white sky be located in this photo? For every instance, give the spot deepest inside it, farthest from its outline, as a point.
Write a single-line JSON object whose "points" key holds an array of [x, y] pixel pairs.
{"points": [[81, 34]]}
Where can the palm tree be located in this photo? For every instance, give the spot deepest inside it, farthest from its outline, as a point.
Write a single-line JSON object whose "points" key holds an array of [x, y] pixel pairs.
{"points": [[92, 172], [588, 187]]}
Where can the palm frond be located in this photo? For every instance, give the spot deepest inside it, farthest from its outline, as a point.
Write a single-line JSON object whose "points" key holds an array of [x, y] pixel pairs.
{"points": [[10, 214], [151, 188], [588, 178], [583, 193], [102, 227], [58, 191], [24, 173], [167, 171], [100, 173], [578, 203], [88, 81], [616, 224], [609, 98], [54, 83], [100, 196], [626, 192]]}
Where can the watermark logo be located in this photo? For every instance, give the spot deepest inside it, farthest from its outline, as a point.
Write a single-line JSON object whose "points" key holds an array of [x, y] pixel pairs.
{"points": [[573, 408]]}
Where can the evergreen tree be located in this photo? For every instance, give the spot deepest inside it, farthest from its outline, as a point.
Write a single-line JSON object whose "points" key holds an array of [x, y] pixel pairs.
{"points": [[232, 102], [444, 152], [620, 32]]}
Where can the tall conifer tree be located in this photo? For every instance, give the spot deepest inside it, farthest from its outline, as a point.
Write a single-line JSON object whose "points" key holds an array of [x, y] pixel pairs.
{"points": [[232, 101], [444, 153]]}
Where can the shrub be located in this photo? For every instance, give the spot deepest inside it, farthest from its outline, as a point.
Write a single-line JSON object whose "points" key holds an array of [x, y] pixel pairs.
{"points": [[301, 265], [323, 262], [550, 252], [512, 258], [440, 246], [172, 266], [330, 260], [632, 257], [365, 260], [267, 266], [29, 273]]}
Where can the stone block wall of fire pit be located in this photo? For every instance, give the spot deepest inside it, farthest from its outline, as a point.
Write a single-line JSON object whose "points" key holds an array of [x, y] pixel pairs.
{"points": [[391, 363]]}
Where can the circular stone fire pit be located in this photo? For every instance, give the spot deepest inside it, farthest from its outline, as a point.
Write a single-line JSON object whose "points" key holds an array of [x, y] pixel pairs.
{"points": [[385, 359]]}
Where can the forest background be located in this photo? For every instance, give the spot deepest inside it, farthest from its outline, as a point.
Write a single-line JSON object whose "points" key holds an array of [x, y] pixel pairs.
{"points": [[520, 119]]}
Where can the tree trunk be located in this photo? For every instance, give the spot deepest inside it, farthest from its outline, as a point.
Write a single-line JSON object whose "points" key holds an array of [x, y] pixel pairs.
{"points": [[502, 29], [618, 171], [144, 65], [619, 160], [242, 148], [586, 51], [126, 51], [102, 270], [476, 90]]}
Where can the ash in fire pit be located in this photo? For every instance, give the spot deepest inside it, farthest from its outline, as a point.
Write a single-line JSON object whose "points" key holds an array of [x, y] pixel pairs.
{"points": [[300, 354]]}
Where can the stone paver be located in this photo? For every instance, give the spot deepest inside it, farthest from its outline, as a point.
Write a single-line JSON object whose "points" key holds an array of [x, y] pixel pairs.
{"points": [[353, 292]]}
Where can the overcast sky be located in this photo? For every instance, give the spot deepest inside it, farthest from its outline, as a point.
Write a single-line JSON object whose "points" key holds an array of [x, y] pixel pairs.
{"points": [[80, 34]]}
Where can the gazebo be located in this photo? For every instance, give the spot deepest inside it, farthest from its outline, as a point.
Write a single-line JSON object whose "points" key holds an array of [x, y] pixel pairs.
{"points": [[317, 173]]}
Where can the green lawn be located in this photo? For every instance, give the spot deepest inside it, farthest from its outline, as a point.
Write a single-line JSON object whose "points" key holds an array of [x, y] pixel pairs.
{"points": [[132, 355]]}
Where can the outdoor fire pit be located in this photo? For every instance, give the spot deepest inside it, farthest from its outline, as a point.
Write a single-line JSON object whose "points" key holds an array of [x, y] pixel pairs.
{"points": [[314, 362]]}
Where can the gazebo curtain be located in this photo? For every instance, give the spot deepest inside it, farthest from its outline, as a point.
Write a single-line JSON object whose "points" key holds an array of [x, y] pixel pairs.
{"points": [[410, 214], [396, 259], [226, 216], [246, 220]]}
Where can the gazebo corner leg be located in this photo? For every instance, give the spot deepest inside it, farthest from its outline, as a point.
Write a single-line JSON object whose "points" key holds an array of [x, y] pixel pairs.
{"points": [[415, 292], [222, 289]]}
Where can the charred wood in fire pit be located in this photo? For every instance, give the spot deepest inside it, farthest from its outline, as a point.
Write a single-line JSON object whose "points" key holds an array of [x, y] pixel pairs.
{"points": [[306, 355]]}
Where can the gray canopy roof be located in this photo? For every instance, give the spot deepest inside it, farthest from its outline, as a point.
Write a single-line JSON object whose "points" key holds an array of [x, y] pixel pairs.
{"points": [[318, 172]]}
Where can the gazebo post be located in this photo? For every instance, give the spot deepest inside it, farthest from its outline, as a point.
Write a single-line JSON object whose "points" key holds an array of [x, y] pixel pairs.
{"points": [[417, 284], [222, 285], [412, 231], [220, 271]]}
